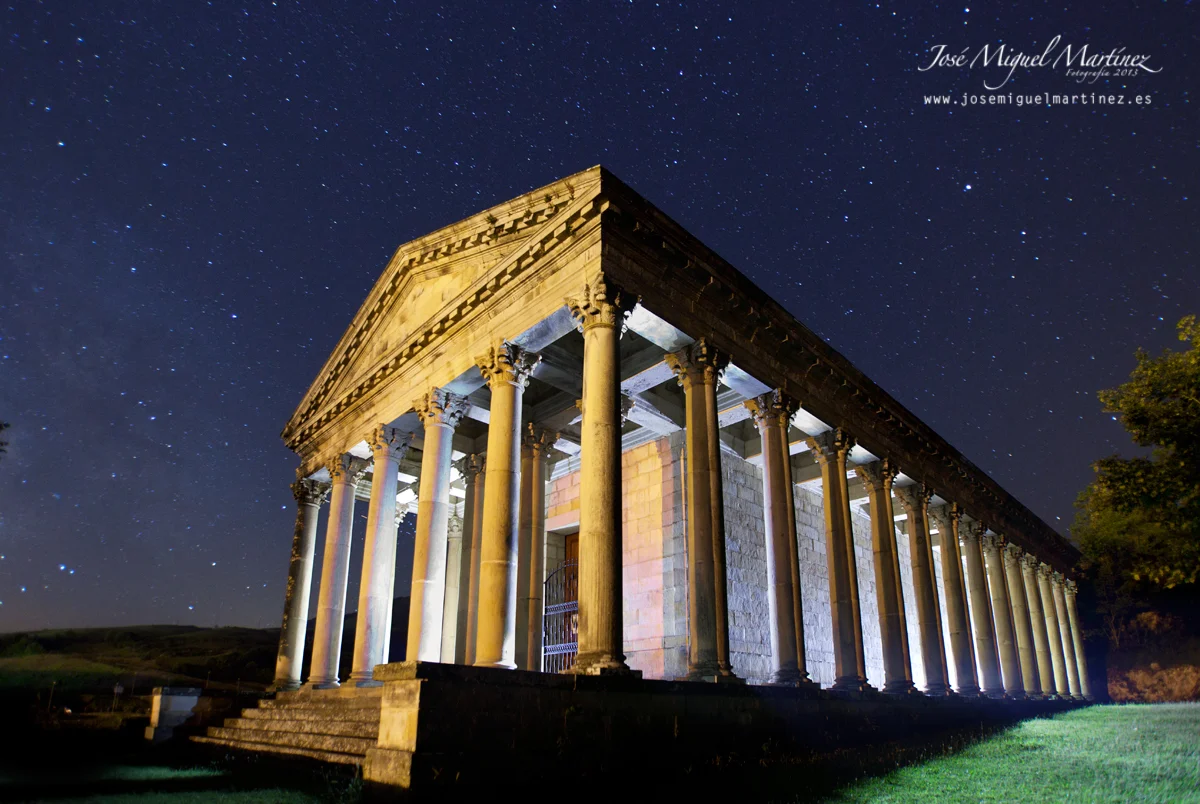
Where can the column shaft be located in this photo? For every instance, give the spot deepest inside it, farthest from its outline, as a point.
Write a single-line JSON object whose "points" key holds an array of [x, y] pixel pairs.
{"points": [[893, 629], [377, 589], [507, 368], [981, 613], [473, 467], [1064, 627], [830, 449], [915, 500], [947, 517], [456, 577], [1018, 602], [698, 367], [1053, 633], [1006, 640], [1085, 685], [772, 412], [440, 413], [1037, 622], [309, 495], [601, 312], [524, 551], [794, 553], [540, 442], [344, 472]]}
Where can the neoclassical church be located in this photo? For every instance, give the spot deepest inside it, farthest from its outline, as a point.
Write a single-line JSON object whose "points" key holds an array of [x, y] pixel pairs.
{"points": [[627, 461]]}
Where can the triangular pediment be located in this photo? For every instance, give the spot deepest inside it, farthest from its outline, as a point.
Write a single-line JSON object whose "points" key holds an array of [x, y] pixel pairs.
{"points": [[428, 276]]}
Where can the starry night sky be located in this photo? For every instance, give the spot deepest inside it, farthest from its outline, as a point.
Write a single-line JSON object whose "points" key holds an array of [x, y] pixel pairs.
{"points": [[196, 198]]}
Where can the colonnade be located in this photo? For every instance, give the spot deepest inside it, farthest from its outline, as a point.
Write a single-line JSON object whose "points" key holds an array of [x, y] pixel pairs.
{"points": [[1011, 621]]}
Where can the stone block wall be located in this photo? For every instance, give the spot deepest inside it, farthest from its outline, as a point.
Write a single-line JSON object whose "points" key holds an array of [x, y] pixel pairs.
{"points": [[746, 569]]}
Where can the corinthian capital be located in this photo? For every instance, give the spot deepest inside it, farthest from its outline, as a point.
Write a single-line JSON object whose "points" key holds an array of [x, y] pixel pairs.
{"points": [[992, 541], [773, 407], [346, 468], [470, 467], [1045, 571], [947, 516], [914, 498], [699, 361], [831, 445], [538, 440], [1012, 555], [1071, 588], [877, 475], [388, 443], [602, 304], [1029, 562], [506, 362], [440, 407], [972, 530], [310, 492]]}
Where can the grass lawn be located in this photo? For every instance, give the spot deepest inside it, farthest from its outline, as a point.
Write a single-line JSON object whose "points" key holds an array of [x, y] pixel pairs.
{"points": [[1136, 752]]}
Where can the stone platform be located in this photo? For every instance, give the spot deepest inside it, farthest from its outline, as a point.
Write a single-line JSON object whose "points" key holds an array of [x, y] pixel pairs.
{"points": [[449, 727]]}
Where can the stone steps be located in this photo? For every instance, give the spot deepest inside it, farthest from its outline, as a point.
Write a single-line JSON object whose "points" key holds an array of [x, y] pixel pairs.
{"points": [[327, 725], [335, 728], [320, 756]]}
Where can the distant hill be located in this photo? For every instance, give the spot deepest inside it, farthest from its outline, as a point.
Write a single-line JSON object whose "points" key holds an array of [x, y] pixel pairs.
{"points": [[92, 660]]}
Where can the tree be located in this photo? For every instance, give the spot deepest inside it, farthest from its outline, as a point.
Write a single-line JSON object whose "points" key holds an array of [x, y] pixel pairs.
{"points": [[3, 444], [1138, 523]]}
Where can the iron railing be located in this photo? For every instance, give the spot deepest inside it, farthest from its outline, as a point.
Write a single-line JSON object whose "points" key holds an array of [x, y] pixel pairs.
{"points": [[560, 626]]}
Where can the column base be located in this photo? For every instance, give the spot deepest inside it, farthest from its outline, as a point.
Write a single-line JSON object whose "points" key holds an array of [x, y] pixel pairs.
{"points": [[321, 684], [851, 684], [497, 665], [995, 695], [938, 690], [285, 686], [361, 679], [791, 677], [601, 663], [968, 692], [904, 687], [1015, 696]]}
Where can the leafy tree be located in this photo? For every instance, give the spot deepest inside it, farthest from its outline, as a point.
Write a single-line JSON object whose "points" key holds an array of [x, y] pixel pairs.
{"points": [[3, 444], [1138, 522]]}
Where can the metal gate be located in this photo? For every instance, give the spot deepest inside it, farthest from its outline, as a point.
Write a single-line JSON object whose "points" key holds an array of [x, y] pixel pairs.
{"points": [[560, 626]]}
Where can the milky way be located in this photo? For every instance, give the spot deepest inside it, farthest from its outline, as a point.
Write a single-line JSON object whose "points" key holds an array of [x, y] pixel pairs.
{"points": [[196, 198]]}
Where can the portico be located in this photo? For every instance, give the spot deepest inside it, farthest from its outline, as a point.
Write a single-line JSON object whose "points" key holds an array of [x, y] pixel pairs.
{"points": [[748, 506]]}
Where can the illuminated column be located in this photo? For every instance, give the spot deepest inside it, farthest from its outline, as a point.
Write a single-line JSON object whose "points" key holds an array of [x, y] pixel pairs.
{"points": [[877, 477], [1053, 633], [531, 564], [309, 495], [1064, 627], [947, 518], [1006, 640], [391, 584], [772, 413], [468, 601], [377, 589], [506, 367], [457, 574], [981, 612], [830, 449], [1018, 601], [344, 472], [698, 367], [915, 500], [1085, 685], [600, 311], [440, 412], [1037, 622]]}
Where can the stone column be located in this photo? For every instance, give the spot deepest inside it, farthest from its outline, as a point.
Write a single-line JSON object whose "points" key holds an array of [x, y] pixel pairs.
{"points": [[1006, 640], [1013, 575], [947, 518], [457, 574], [535, 447], [468, 602], [1085, 685], [1064, 627], [506, 367], [794, 550], [1037, 622], [915, 500], [1053, 632], [600, 311], [830, 449], [772, 412], [440, 412], [344, 472], [377, 588], [698, 367], [877, 477], [309, 495], [981, 612], [391, 584]]}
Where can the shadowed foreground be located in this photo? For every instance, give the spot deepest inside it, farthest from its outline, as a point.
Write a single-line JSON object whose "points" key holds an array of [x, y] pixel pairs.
{"points": [[1138, 752]]}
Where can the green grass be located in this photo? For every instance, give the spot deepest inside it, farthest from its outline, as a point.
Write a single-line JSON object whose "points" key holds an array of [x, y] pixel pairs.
{"points": [[1136, 752]]}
